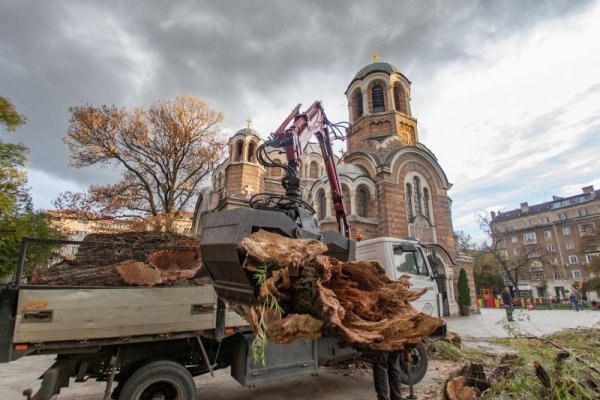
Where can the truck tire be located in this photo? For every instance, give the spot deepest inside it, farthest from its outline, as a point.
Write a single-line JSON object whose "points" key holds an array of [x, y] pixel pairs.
{"points": [[420, 363], [160, 380]]}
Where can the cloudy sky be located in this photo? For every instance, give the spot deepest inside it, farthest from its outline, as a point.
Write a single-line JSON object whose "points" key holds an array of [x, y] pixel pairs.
{"points": [[507, 93]]}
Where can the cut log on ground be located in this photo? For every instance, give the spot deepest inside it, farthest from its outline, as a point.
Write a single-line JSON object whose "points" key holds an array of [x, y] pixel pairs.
{"points": [[305, 294]]}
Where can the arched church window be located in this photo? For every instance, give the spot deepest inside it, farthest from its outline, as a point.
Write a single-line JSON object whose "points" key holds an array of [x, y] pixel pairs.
{"points": [[426, 202], [322, 204], [362, 197], [347, 199], [377, 98], [239, 149], [400, 99], [251, 149], [358, 103], [409, 201], [417, 185], [314, 169]]}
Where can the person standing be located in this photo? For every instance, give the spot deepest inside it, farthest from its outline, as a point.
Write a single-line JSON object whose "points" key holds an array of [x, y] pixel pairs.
{"points": [[386, 375], [574, 301], [507, 302]]}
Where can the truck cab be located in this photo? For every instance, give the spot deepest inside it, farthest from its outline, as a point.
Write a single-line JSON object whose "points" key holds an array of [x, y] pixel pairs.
{"points": [[405, 257]]}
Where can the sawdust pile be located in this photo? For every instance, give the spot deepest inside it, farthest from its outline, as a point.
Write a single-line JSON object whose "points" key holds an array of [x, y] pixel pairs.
{"points": [[125, 259], [304, 294]]}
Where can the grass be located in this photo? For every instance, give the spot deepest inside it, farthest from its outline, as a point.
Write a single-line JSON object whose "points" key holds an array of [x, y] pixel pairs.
{"points": [[571, 379], [269, 305]]}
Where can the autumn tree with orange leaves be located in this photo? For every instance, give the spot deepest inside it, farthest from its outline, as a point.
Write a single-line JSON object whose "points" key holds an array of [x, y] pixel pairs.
{"points": [[165, 151]]}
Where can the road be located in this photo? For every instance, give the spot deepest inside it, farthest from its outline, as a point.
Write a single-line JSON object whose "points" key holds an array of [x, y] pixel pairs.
{"points": [[330, 384]]}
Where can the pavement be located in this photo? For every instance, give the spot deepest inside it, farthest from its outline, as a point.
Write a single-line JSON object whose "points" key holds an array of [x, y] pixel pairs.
{"points": [[331, 384]]}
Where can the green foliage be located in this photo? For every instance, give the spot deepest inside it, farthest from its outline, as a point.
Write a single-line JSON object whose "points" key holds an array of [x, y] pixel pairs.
{"points": [[591, 285], [464, 294], [9, 117], [17, 217], [486, 273]]}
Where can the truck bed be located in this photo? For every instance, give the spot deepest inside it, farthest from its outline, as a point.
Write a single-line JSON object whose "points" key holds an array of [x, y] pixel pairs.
{"points": [[75, 314]]}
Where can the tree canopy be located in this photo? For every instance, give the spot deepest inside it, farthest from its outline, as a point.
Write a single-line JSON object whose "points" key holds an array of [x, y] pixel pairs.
{"points": [[17, 217], [165, 151]]}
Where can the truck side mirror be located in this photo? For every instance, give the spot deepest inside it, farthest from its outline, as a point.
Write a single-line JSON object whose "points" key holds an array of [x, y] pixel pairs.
{"points": [[408, 247]]}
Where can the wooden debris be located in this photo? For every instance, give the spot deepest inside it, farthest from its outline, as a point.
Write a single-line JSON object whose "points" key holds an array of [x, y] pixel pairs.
{"points": [[121, 259], [454, 339], [318, 295], [468, 383]]}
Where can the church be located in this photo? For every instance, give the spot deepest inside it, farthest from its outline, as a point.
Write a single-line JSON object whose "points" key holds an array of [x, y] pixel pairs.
{"points": [[393, 184]]}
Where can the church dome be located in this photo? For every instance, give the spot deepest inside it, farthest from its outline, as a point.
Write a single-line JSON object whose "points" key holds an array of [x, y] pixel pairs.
{"points": [[246, 132], [376, 67]]}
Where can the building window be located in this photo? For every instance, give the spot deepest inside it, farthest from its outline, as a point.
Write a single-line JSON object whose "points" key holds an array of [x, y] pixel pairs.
{"points": [[239, 149], [503, 254], [544, 220], [583, 212], [576, 274], [529, 237], [569, 245], [573, 260], [377, 98], [251, 149], [362, 197], [510, 227], [409, 212], [322, 204], [586, 229], [538, 276], [400, 99], [548, 234], [417, 184], [550, 247], [518, 251], [562, 216], [556, 275], [566, 230], [357, 98], [588, 258], [347, 199], [526, 224], [514, 239], [426, 202], [313, 170]]}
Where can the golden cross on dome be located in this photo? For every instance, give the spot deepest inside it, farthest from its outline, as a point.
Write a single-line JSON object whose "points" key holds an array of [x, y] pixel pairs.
{"points": [[249, 121], [375, 57]]}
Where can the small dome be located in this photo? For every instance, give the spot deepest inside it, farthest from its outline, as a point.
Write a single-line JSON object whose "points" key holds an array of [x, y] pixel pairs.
{"points": [[376, 67], [246, 132]]}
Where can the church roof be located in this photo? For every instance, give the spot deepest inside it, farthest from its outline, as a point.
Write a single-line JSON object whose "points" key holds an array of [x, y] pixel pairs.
{"points": [[246, 132], [376, 67], [350, 170]]}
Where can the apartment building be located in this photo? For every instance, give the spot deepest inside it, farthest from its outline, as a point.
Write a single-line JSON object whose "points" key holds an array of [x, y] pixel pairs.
{"points": [[546, 239], [78, 225]]}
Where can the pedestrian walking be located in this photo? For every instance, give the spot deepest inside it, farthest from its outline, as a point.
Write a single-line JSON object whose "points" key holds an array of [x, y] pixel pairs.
{"points": [[507, 302], [574, 301]]}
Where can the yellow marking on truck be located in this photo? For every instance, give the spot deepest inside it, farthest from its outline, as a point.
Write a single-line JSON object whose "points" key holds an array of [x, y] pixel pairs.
{"points": [[36, 305]]}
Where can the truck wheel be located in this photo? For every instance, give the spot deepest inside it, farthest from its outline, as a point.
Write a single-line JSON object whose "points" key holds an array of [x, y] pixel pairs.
{"points": [[160, 380], [419, 365]]}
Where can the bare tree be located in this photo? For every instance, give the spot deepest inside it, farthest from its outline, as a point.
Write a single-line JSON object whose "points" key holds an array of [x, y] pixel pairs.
{"points": [[511, 265], [165, 152]]}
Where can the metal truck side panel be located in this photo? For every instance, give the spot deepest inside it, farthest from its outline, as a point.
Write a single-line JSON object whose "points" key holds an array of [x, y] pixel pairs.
{"points": [[48, 315]]}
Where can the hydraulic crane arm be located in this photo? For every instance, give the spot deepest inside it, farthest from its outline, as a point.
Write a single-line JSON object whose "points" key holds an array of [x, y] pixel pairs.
{"points": [[292, 136]]}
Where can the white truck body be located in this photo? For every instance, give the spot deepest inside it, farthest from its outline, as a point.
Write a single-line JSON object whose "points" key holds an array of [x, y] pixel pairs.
{"points": [[388, 252]]}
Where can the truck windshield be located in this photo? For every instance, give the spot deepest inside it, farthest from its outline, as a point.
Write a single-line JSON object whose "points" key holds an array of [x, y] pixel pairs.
{"points": [[409, 262]]}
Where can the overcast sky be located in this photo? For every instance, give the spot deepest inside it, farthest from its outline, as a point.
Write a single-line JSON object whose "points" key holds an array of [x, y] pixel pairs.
{"points": [[507, 93]]}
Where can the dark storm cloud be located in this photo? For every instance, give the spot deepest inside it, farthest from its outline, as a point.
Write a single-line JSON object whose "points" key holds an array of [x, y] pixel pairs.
{"points": [[59, 54]]}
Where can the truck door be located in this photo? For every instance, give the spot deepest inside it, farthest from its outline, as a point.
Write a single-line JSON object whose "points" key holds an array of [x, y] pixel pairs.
{"points": [[413, 263]]}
